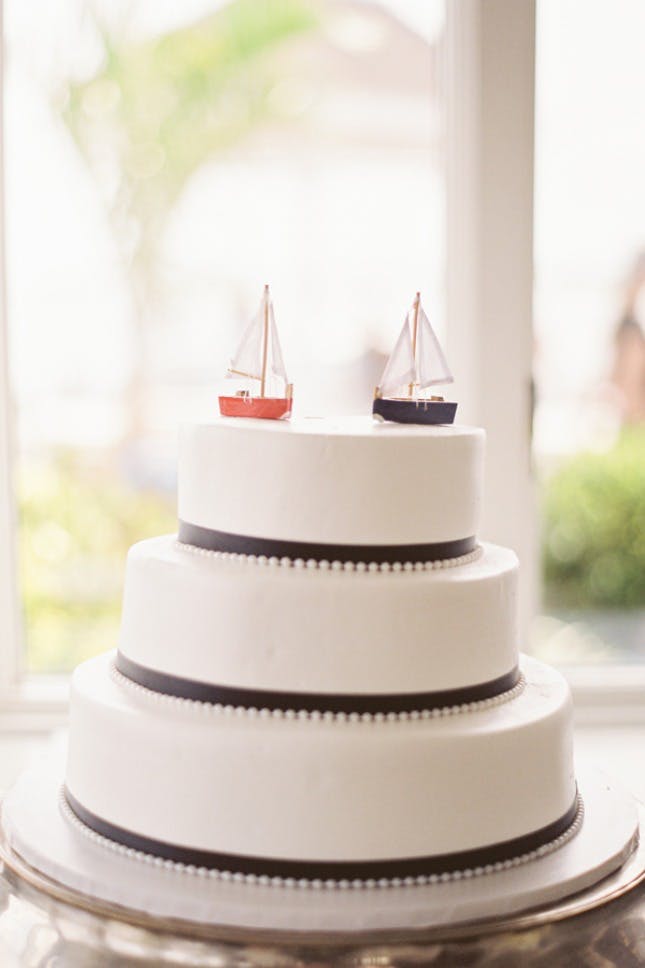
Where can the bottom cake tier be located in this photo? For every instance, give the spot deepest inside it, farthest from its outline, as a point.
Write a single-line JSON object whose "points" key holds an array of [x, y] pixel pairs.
{"points": [[332, 796]]}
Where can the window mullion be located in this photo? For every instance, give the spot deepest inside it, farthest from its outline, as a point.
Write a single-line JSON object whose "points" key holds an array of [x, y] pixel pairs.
{"points": [[11, 659], [490, 51]]}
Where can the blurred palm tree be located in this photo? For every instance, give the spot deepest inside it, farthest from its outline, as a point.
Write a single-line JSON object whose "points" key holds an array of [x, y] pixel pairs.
{"points": [[154, 113]]}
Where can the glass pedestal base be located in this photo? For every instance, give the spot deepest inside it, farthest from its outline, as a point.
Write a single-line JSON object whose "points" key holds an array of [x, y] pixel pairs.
{"points": [[44, 924]]}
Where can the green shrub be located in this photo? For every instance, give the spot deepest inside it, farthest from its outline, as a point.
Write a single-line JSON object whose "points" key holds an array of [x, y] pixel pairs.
{"points": [[76, 525], [594, 528]]}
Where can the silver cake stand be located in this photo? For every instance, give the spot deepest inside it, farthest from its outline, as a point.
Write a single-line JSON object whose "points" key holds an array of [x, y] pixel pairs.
{"points": [[68, 902]]}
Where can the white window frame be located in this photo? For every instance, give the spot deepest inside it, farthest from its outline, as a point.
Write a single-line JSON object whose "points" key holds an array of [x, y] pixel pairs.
{"points": [[489, 160], [10, 665], [33, 704], [489, 252]]}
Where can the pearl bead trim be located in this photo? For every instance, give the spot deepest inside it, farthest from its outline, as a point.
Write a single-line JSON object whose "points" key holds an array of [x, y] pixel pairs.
{"points": [[217, 709], [324, 565], [291, 882]]}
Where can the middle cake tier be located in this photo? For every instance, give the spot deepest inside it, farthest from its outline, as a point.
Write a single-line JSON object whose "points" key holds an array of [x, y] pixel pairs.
{"points": [[192, 619]]}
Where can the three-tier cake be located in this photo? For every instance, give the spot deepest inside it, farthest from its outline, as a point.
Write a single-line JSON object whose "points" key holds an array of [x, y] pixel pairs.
{"points": [[319, 679]]}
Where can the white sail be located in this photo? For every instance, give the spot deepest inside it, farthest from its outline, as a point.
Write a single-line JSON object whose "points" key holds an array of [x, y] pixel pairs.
{"points": [[399, 369], [277, 363], [248, 358], [432, 367]]}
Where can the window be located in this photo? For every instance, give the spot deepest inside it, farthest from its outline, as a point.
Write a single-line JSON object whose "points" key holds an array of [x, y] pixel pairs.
{"points": [[150, 194], [590, 330], [160, 167]]}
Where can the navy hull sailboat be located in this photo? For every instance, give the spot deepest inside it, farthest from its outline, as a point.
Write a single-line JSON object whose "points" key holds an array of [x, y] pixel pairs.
{"points": [[416, 363]]}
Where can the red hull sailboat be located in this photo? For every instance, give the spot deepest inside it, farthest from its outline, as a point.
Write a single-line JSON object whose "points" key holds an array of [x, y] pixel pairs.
{"points": [[262, 408], [251, 362]]}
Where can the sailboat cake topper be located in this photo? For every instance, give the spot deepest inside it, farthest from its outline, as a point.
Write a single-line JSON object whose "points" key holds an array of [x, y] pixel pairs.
{"points": [[416, 363], [259, 357]]}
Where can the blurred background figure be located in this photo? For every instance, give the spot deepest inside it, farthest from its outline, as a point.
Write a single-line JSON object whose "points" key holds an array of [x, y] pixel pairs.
{"points": [[628, 375]]}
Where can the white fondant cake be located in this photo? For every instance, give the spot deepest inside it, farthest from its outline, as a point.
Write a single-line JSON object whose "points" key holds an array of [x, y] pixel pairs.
{"points": [[321, 679]]}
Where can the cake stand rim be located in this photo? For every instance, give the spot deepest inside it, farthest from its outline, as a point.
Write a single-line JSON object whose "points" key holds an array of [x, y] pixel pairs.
{"points": [[609, 888]]}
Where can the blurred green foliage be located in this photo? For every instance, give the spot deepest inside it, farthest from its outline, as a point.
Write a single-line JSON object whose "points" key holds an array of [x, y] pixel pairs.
{"points": [[594, 528], [157, 110], [77, 523]]}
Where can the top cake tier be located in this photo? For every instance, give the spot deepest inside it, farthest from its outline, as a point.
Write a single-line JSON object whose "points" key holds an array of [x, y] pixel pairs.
{"points": [[337, 482]]}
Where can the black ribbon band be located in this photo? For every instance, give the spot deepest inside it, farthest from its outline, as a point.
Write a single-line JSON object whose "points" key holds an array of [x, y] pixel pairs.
{"points": [[396, 702], [211, 540], [325, 870]]}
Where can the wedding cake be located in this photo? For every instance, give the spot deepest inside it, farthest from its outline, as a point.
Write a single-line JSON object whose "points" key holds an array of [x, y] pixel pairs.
{"points": [[318, 679]]}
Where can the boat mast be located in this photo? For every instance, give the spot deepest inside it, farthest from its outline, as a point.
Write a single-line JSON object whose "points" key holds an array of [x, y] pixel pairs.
{"points": [[265, 342], [415, 324]]}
